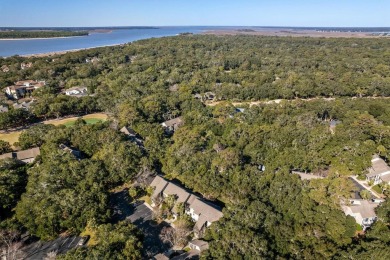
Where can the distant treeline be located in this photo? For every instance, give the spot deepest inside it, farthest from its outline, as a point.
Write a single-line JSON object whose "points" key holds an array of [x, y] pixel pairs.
{"points": [[40, 34]]}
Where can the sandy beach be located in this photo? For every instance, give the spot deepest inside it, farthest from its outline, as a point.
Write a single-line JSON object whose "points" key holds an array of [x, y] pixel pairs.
{"points": [[46, 54]]}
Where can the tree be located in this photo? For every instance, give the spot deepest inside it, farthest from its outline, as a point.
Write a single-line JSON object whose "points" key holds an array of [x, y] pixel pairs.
{"points": [[365, 194], [10, 245], [120, 241], [34, 136], [13, 180], [5, 147], [177, 236], [71, 192]]}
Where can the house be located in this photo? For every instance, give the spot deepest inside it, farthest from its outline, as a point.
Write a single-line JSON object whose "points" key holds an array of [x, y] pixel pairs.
{"points": [[159, 185], [204, 214], [24, 105], [92, 60], [76, 91], [3, 109], [73, 152], [206, 96], [379, 171], [306, 176], [198, 96], [25, 65], [5, 68], [209, 96], [160, 256], [198, 245], [173, 124], [26, 156], [362, 210], [22, 88], [179, 193], [128, 131]]}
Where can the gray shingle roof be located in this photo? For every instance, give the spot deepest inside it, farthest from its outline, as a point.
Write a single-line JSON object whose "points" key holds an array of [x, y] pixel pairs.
{"points": [[378, 167]]}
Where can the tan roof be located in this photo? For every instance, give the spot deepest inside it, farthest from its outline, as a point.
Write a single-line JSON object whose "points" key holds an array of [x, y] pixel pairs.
{"points": [[180, 193], [27, 154], [127, 131], [6, 155], [161, 256], [13, 87], [378, 167], [76, 88], [364, 207], [22, 155], [191, 199], [200, 243], [176, 122], [205, 211], [385, 178], [307, 176], [22, 82], [159, 184]]}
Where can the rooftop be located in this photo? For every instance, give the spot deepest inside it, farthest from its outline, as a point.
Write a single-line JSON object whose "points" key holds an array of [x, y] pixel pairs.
{"points": [[174, 122], [378, 167], [181, 194], [159, 184], [22, 155], [366, 208]]}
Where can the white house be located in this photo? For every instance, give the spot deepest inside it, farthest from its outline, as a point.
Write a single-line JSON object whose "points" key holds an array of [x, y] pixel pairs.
{"points": [[23, 87], [362, 210], [379, 171], [76, 91]]}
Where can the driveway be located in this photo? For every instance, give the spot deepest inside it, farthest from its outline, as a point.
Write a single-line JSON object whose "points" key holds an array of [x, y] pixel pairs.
{"points": [[152, 244], [141, 216], [361, 185], [40, 249]]}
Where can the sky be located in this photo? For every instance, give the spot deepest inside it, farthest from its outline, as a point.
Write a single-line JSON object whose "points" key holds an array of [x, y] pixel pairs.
{"points": [[308, 13]]}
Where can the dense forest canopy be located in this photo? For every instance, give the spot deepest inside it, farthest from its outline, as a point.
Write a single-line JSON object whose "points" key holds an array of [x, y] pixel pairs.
{"points": [[220, 152], [40, 34]]}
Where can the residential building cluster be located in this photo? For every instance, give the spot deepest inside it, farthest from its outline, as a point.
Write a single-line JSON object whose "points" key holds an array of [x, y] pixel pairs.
{"points": [[22, 88], [202, 212]]}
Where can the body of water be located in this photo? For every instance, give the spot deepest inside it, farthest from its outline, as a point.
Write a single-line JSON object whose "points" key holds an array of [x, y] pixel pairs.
{"points": [[116, 36], [124, 35]]}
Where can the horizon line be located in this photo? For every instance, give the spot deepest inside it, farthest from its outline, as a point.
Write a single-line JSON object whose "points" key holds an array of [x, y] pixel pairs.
{"points": [[152, 26]]}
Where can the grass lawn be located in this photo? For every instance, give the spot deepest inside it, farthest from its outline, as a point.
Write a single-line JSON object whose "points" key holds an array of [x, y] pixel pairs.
{"points": [[11, 137], [377, 189], [89, 121]]}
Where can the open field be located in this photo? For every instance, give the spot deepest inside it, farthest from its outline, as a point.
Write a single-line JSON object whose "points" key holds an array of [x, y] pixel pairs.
{"points": [[91, 119], [13, 137]]}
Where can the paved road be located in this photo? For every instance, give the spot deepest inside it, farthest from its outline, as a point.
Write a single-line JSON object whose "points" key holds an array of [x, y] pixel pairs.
{"points": [[39, 249], [360, 185]]}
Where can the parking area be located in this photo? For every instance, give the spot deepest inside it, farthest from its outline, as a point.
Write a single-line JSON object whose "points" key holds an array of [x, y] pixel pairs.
{"points": [[141, 212], [40, 250]]}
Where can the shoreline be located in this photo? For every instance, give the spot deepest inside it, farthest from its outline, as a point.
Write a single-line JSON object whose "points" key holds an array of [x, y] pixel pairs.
{"points": [[46, 54], [49, 38], [295, 33]]}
